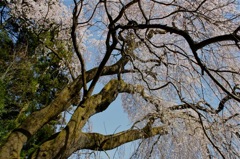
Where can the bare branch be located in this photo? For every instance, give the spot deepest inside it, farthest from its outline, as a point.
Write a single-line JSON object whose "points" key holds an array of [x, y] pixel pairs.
{"points": [[77, 49], [227, 37], [223, 101], [111, 43]]}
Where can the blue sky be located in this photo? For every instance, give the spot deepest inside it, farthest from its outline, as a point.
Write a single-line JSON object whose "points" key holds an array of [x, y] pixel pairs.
{"points": [[111, 121]]}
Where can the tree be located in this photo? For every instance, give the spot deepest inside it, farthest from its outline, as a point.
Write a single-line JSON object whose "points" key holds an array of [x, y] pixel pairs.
{"points": [[174, 63], [28, 80]]}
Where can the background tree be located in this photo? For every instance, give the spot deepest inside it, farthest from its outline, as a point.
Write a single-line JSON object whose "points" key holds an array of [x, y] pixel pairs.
{"points": [[174, 62]]}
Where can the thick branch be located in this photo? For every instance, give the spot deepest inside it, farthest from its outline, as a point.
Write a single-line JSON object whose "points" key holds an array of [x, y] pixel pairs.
{"points": [[71, 138], [228, 37], [65, 142], [107, 142]]}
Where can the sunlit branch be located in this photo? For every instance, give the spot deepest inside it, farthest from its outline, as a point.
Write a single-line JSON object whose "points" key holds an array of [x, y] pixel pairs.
{"points": [[108, 142], [190, 106], [174, 73]]}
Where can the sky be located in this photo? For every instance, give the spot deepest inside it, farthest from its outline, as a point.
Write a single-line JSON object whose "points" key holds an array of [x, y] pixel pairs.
{"points": [[111, 121]]}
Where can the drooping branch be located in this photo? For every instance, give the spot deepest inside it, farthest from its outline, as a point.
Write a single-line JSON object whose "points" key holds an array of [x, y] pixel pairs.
{"points": [[208, 137], [150, 63]]}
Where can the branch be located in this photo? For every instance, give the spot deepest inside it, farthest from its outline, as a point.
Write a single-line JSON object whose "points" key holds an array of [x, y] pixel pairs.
{"points": [[209, 139], [224, 100], [191, 106], [120, 14], [107, 142], [227, 37], [230, 117], [77, 49]]}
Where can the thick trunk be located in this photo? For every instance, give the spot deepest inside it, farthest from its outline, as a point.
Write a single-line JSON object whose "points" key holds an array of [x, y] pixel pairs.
{"points": [[36, 120], [13, 147]]}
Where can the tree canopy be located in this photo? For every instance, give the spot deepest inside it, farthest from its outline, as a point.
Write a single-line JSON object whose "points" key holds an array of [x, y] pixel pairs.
{"points": [[174, 63]]}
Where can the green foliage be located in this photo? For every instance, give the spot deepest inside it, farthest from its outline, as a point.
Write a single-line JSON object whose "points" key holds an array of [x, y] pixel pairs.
{"points": [[30, 77]]}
